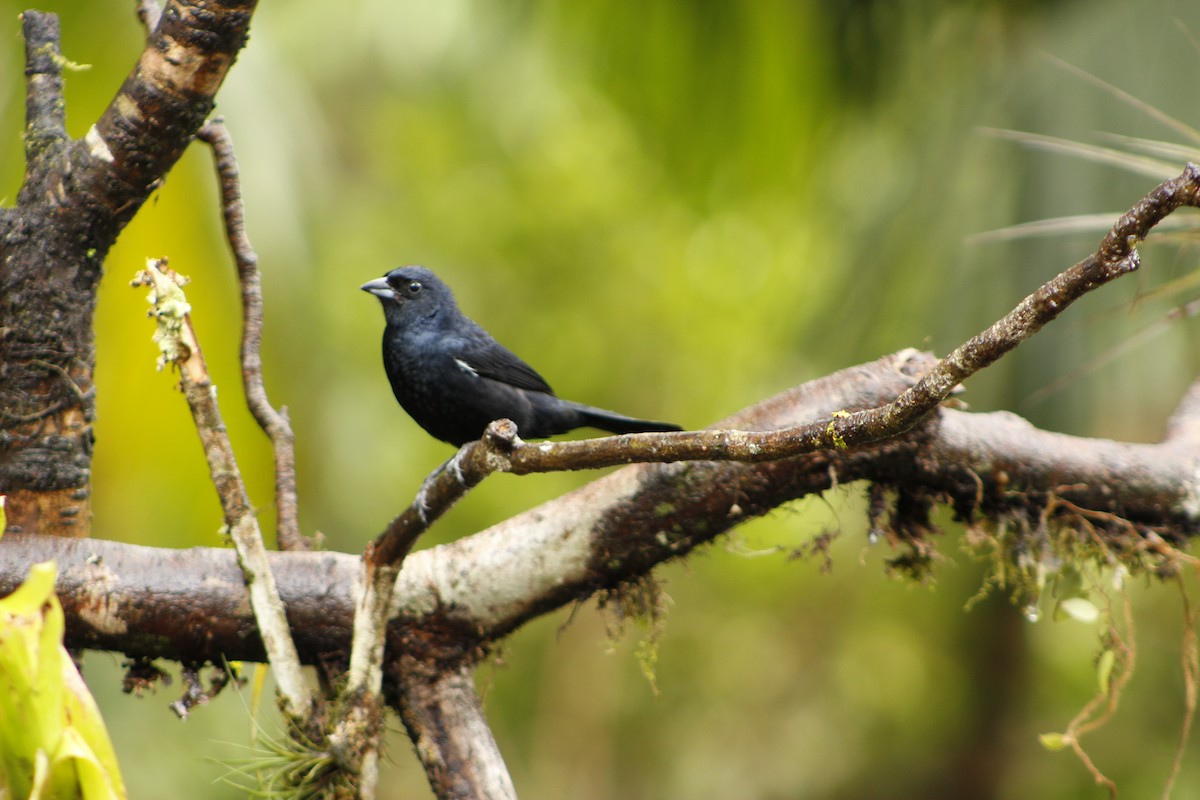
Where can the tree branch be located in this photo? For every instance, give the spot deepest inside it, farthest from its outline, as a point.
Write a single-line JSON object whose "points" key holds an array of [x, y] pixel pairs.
{"points": [[45, 111], [1115, 257], [181, 349], [149, 13], [159, 108], [76, 197], [500, 450], [191, 605], [445, 720], [453, 601], [274, 423]]}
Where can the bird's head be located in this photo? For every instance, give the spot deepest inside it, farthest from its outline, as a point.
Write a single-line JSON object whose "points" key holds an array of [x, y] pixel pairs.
{"points": [[409, 294]]}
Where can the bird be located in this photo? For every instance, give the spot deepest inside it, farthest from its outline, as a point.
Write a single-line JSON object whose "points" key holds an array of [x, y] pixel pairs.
{"points": [[454, 379]]}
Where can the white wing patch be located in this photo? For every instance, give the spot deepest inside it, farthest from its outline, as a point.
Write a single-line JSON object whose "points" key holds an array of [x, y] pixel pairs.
{"points": [[465, 367]]}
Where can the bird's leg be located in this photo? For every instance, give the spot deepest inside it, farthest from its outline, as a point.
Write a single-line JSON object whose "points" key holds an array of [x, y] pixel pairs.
{"points": [[454, 464]]}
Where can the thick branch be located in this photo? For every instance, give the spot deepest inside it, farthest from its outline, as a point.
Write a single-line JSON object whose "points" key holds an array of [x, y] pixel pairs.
{"points": [[76, 198], [191, 605], [160, 107], [445, 720]]}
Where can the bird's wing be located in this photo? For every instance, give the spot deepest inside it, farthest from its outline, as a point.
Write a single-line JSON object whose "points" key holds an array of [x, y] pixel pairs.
{"points": [[493, 360]]}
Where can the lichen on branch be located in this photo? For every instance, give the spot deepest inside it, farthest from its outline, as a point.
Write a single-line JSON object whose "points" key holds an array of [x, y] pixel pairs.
{"points": [[178, 346], [170, 309]]}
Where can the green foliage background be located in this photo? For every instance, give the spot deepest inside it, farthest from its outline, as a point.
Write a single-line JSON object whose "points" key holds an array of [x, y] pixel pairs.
{"points": [[673, 209]]}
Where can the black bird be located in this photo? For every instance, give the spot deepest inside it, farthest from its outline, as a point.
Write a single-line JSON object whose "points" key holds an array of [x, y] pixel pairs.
{"points": [[454, 379]]}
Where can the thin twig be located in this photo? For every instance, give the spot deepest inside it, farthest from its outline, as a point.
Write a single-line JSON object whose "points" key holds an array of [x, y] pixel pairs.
{"points": [[274, 423], [356, 733], [180, 348], [444, 488]]}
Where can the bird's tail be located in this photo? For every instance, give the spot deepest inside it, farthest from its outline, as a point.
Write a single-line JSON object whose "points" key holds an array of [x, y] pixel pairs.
{"points": [[613, 422]]}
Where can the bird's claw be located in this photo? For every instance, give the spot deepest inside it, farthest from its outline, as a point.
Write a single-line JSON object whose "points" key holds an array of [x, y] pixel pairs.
{"points": [[454, 466], [421, 504]]}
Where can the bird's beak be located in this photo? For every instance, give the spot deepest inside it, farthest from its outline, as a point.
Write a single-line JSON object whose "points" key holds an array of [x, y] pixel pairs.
{"points": [[378, 287]]}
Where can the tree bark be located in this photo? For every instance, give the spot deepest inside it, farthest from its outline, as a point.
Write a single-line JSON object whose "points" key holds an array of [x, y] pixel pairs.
{"points": [[76, 198], [444, 718], [453, 601]]}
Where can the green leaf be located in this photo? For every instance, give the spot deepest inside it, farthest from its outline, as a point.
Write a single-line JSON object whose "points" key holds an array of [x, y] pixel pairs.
{"points": [[1104, 669], [1053, 741], [53, 742], [1079, 609]]}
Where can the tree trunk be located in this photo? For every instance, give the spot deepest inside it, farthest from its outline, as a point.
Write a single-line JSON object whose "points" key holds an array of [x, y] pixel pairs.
{"points": [[76, 197]]}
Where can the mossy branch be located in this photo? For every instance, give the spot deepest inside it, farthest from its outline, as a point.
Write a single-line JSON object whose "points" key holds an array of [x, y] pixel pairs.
{"points": [[178, 346]]}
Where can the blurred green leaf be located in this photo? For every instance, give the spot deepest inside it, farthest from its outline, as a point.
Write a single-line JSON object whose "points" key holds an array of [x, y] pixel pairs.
{"points": [[1079, 609], [1054, 742], [53, 743]]}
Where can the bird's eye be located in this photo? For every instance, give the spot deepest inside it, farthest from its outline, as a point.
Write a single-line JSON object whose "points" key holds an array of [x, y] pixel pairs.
{"points": [[413, 288]]}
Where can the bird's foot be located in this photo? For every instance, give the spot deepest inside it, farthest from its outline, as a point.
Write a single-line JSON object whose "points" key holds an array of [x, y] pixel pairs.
{"points": [[454, 466], [420, 503]]}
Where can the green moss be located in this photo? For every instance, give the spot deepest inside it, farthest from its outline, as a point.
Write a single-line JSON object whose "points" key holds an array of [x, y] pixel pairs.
{"points": [[664, 509], [1072, 557], [643, 601]]}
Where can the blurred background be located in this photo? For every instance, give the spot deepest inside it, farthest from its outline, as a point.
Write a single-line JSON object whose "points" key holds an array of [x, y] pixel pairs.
{"points": [[674, 210]]}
